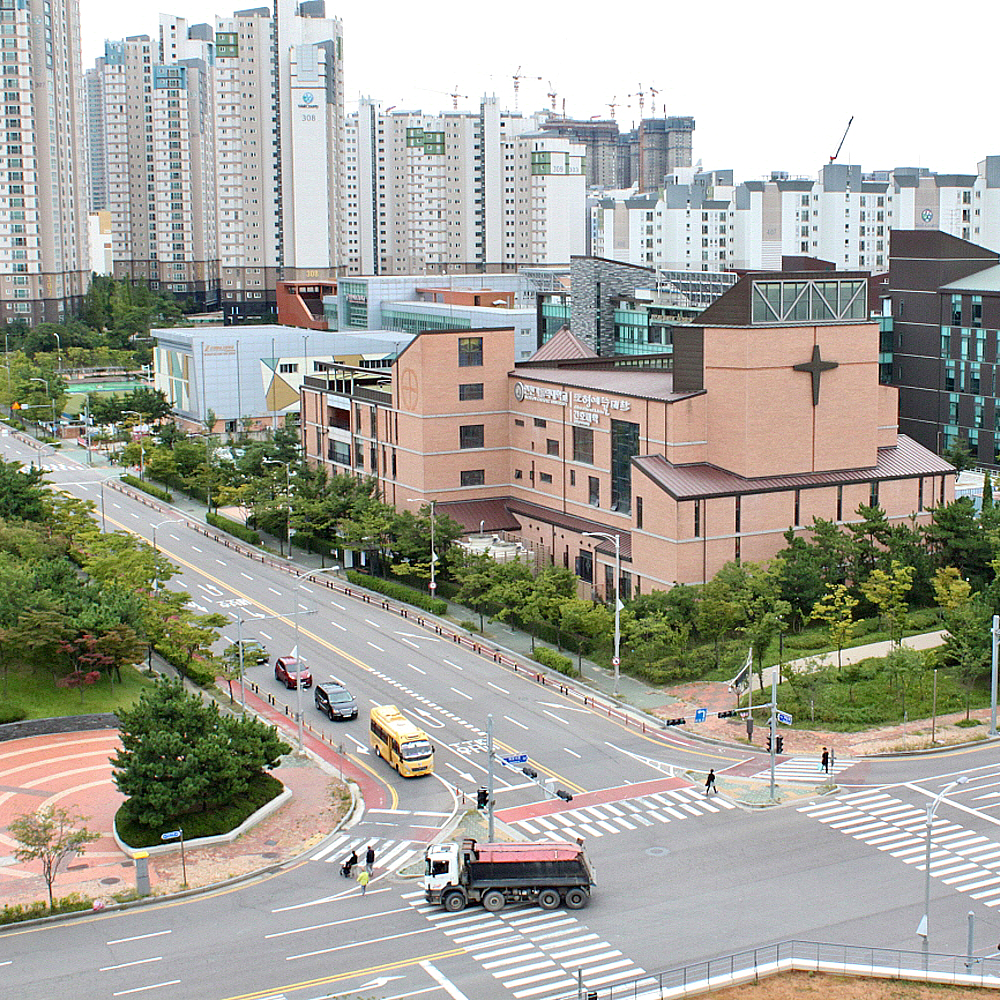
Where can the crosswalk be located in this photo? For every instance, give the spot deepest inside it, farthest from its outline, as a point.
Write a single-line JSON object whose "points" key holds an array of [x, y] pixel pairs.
{"points": [[533, 953], [804, 769], [390, 855], [416, 696], [606, 818], [961, 858]]}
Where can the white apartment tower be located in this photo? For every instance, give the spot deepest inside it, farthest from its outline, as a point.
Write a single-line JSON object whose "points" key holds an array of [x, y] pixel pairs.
{"points": [[460, 191], [44, 255]]}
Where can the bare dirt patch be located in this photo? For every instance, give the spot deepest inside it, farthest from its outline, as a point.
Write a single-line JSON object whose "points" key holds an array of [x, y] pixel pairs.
{"points": [[819, 986]]}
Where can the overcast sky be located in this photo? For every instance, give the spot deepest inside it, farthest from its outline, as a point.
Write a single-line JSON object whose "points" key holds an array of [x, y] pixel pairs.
{"points": [[771, 87]]}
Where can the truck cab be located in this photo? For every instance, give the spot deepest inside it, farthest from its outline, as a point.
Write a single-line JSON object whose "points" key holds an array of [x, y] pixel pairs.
{"points": [[441, 870]]}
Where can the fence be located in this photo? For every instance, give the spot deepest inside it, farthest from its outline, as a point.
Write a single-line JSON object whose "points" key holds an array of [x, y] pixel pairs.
{"points": [[798, 956]]}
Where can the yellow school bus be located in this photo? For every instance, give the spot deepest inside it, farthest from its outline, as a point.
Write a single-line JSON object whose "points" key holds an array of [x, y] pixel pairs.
{"points": [[399, 742]]}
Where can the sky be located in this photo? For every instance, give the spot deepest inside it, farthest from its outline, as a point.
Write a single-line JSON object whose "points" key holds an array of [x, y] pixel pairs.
{"points": [[771, 87]]}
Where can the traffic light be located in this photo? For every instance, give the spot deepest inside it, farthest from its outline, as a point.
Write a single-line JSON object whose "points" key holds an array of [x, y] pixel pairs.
{"points": [[779, 744], [769, 742], [481, 798], [564, 795], [674, 722], [530, 772], [727, 715]]}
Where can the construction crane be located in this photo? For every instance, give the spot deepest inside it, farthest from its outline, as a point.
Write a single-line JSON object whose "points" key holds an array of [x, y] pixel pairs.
{"points": [[641, 94], [612, 104], [455, 95], [517, 78], [551, 95], [842, 138], [653, 92]]}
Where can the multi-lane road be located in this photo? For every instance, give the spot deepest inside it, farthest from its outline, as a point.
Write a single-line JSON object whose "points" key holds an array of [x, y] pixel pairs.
{"points": [[681, 878]]}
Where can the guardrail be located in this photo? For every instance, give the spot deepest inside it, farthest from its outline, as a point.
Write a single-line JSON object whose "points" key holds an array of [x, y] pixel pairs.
{"points": [[797, 956]]}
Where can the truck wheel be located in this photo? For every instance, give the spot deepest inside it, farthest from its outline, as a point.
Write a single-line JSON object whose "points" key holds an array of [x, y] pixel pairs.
{"points": [[548, 899], [577, 899], [454, 902], [494, 901]]}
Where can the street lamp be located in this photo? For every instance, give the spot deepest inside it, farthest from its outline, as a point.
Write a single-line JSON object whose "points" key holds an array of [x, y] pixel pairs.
{"points": [[616, 660], [288, 503], [922, 929], [136, 413], [173, 520], [58, 349], [45, 381], [432, 586]]}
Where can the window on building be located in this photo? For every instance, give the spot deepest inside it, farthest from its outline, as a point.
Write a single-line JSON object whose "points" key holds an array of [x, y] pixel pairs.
{"points": [[798, 508], [470, 390], [518, 422], [697, 519], [840, 503], [551, 446], [572, 477], [638, 512], [583, 445], [470, 436], [473, 477], [585, 566], [539, 422], [470, 352], [518, 474], [956, 310], [624, 446], [288, 369], [873, 495], [920, 493], [594, 491], [544, 477]]}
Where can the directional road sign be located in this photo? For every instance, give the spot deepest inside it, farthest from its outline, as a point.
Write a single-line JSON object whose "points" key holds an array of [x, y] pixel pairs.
{"points": [[516, 758], [785, 718], [172, 835], [700, 714]]}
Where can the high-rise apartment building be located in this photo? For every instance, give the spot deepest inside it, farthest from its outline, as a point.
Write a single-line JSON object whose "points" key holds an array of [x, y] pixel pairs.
{"points": [[460, 191], [44, 256], [224, 153], [658, 147]]}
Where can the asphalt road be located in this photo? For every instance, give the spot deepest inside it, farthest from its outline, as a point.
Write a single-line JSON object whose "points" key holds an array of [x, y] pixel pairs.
{"points": [[680, 878]]}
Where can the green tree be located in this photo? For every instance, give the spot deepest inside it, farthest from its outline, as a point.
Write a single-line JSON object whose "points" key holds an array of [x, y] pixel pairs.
{"points": [[23, 494], [956, 538], [950, 590], [800, 575], [837, 610], [719, 612], [959, 455], [49, 836], [967, 647], [887, 591], [869, 541]]}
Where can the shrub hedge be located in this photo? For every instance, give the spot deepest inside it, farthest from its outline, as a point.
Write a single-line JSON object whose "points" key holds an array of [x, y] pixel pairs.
{"points": [[398, 591], [12, 713], [195, 671], [556, 661], [232, 527], [153, 491], [12, 914]]}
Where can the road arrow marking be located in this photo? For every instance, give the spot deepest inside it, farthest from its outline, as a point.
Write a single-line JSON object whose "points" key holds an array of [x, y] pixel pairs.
{"points": [[461, 774], [381, 981], [433, 722], [565, 708], [412, 635]]}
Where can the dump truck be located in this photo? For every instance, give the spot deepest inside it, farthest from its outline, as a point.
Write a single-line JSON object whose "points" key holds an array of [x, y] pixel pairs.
{"points": [[546, 873]]}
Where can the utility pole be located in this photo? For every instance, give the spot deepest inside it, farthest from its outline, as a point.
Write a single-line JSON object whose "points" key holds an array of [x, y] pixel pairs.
{"points": [[774, 708], [489, 778]]}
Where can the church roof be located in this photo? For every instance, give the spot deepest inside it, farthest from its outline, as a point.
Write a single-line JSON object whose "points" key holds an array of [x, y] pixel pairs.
{"points": [[563, 346]]}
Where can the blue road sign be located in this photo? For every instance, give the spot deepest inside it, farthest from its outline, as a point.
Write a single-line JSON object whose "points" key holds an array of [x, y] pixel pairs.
{"points": [[785, 718], [173, 835], [700, 714], [517, 758]]}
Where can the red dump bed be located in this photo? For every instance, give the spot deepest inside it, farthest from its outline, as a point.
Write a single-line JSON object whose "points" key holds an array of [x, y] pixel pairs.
{"points": [[514, 852]]}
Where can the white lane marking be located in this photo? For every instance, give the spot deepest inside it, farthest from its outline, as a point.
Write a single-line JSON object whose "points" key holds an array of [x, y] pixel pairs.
{"points": [[331, 923], [409, 643], [195, 547], [273, 591], [373, 624], [302, 586], [142, 989], [443, 981], [565, 708], [138, 937], [247, 575], [462, 693], [266, 636], [176, 538], [516, 723], [556, 717], [338, 625], [455, 665], [354, 944], [221, 562], [125, 965], [572, 752], [418, 670], [336, 605], [373, 646], [496, 687]]}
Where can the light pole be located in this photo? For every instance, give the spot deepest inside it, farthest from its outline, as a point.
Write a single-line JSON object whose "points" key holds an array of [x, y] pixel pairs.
{"points": [[58, 350], [288, 503], [432, 586], [52, 400], [616, 660], [173, 520], [922, 928], [136, 413], [995, 641]]}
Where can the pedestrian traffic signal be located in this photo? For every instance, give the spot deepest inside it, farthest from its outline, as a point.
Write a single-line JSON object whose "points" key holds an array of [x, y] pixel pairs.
{"points": [[769, 742], [530, 772], [726, 715], [564, 795], [674, 722], [481, 798], [779, 744]]}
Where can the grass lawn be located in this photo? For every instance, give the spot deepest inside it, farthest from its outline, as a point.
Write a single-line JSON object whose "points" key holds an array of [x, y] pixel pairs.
{"points": [[32, 694], [220, 819]]}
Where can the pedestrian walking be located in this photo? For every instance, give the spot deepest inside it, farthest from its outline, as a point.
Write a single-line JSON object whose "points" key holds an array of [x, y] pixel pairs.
{"points": [[825, 761], [363, 879], [710, 783], [831, 759], [350, 861], [370, 860]]}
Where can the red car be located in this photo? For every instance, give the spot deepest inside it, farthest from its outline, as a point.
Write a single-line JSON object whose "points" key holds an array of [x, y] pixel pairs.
{"points": [[288, 671]]}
